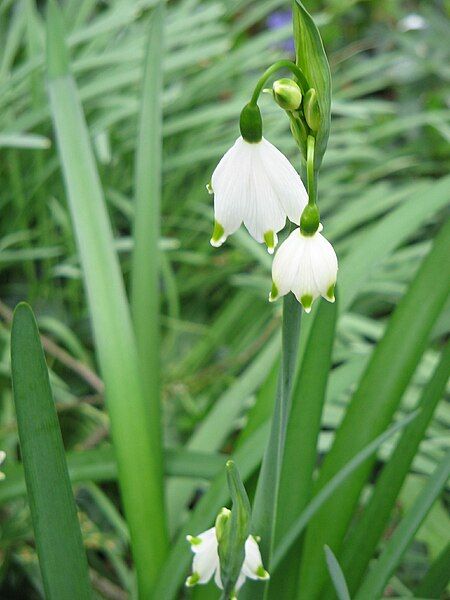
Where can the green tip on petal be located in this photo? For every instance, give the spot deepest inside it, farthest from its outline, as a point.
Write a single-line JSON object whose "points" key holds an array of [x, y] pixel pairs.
{"points": [[273, 293], [261, 573], [271, 240], [218, 237], [192, 580], [193, 540], [306, 301], [209, 187], [330, 293]]}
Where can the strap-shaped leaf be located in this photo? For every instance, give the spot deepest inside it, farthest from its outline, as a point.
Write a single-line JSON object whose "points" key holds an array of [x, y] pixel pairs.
{"points": [[336, 574], [362, 541], [378, 577], [311, 58], [62, 558]]}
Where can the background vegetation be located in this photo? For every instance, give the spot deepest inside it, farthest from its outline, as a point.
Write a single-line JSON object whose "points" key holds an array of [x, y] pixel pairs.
{"points": [[384, 192]]}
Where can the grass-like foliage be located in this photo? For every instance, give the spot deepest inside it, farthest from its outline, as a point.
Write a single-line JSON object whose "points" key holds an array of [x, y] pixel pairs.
{"points": [[155, 358]]}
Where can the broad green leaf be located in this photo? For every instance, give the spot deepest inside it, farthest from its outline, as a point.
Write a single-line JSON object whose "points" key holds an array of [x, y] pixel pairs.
{"points": [[300, 454], [136, 450], [374, 403], [362, 541], [379, 575], [311, 58], [336, 575], [62, 557]]}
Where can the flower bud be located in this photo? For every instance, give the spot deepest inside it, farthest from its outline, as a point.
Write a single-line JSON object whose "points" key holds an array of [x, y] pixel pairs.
{"points": [[310, 220], [222, 522], [250, 123], [287, 94], [311, 109]]}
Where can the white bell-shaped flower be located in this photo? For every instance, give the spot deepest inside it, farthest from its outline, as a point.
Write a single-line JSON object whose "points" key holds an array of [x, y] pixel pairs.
{"points": [[2, 458], [254, 183], [206, 562], [305, 265]]}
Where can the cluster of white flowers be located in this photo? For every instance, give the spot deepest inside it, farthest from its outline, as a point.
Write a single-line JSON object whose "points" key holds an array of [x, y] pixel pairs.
{"points": [[206, 562], [2, 458], [254, 183]]}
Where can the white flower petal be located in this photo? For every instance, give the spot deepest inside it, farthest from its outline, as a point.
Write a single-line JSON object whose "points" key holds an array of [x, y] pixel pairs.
{"points": [[252, 562], [217, 578], [286, 263], [307, 266], [227, 182], [263, 212], [205, 564], [285, 180], [256, 184], [203, 542]]}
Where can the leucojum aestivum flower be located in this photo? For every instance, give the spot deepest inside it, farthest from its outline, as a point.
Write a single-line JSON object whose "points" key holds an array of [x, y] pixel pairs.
{"points": [[255, 184]]}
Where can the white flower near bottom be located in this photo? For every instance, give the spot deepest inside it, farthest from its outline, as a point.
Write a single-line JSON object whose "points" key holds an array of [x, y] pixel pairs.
{"points": [[254, 183], [2, 458], [305, 265], [206, 562]]}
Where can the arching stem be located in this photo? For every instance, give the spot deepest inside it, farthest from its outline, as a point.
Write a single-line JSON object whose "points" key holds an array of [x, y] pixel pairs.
{"points": [[281, 64]]}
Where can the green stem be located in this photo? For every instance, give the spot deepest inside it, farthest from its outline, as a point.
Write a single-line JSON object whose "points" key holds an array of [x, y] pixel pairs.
{"points": [[280, 64], [310, 174]]}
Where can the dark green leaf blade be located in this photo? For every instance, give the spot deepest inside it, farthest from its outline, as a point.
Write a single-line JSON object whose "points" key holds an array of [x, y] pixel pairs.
{"points": [[436, 579], [59, 543], [311, 58], [378, 577], [362, 541]]}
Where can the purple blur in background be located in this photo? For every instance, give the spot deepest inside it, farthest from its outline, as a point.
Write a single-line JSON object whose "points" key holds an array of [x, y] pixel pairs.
{"points": [[279, 19]]}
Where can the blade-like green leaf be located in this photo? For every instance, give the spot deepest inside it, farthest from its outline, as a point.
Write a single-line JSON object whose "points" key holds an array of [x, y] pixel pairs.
{"points": [[311, 58], [361, 544], [373, 405], [62, 558], [303, 429], [336, 575], [138, 453], [436, 579], [385, 566], [146, 231], [332, 487]]}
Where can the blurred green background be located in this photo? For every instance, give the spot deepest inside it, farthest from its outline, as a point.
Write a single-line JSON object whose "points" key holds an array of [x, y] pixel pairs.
{"points": [[388, 151]]}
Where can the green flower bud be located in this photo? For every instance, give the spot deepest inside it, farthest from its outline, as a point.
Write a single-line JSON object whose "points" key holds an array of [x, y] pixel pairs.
{"points": [[287, 94], [311, 109], [222, 523], [250, 123], [310, 220]]}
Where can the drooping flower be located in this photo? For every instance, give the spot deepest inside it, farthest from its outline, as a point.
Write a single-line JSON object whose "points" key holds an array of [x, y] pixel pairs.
{"points": [[305, 265], [254, 183], [2, 458], [206, 562]]}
